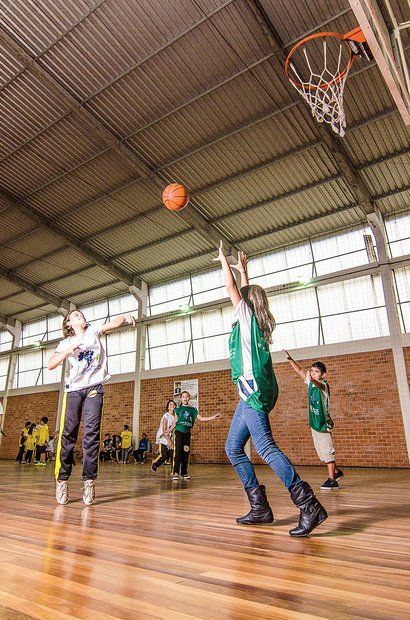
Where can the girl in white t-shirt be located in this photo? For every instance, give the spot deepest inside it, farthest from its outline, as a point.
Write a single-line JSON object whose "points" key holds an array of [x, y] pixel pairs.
{"points": [[164, 436], [83, 350]]}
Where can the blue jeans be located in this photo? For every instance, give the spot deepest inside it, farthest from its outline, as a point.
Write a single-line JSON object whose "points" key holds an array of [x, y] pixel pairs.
{"points": [[247, 422]]}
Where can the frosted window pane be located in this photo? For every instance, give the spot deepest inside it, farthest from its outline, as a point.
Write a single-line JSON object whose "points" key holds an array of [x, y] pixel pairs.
{"points": [[207, 280], [25, 379], [405, 311], [398, 227], [203, 298], [279, 267], [4, 365], [52, 376], [118, 364], [96, 313], [398, 248], [328, 247], [126, 304], [208, 349], [121, 342], [33, 332], [169, 296], [341, 262], [213, 323], [355, 326], [168, 332], [54, 324], [30, 360], [403, 283], [6, 340], [295, 274], [351, 295], [295, 335], [172, 355], [292, 306]]}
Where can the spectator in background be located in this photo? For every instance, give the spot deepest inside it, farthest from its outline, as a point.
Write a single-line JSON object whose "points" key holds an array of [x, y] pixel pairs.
{"points": [[107, 448], [22, 442], [143, 447], [126, 443], [116, 448]]}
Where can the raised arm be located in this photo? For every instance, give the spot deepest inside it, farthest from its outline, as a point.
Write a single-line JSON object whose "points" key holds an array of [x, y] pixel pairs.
{"points": [[295, 366], [58, 358], [201, 418], [118, 321], [229, 280]]}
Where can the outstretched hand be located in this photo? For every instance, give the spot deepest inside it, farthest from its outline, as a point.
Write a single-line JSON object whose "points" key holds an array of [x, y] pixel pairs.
{"points": [[129, 319], [242, 262], [221, 253]]}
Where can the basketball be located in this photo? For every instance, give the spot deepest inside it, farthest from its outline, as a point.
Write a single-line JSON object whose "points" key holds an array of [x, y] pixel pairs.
{"points": [[175, 196]]}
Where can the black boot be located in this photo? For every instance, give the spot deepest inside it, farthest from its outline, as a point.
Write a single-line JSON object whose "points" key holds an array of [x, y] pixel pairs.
{"points": [[312, 512], [260, 511]]}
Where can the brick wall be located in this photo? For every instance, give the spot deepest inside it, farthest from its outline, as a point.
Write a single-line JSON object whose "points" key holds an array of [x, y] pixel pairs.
{"points": [[365, 408], [407, 359], [22, 408]]}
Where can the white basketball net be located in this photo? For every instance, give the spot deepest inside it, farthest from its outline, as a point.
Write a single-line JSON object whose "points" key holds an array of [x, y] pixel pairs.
{"points": [[324, 91]]}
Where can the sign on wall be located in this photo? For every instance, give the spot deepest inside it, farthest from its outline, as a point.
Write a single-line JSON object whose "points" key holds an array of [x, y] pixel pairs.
{"points": [[188, 385]]}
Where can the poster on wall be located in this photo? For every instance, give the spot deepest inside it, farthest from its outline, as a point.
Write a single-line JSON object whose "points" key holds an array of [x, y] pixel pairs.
{"points": [[189, 385]]}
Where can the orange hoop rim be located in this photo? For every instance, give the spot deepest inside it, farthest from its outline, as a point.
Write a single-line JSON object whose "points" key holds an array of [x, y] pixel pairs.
{"points": [[320, 35]]}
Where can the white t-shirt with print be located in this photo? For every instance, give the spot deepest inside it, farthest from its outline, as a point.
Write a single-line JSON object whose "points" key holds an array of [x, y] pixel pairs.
{"points": [[243, 314], [169, 419], [88, 364]]}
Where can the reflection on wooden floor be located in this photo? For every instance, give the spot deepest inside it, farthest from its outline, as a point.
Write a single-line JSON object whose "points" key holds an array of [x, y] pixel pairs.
{"points": [[150, 548]]}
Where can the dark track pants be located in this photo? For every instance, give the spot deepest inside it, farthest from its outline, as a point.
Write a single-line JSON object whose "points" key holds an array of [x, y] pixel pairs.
{"points": [[88, 402], [164, 455], [182, 447]]}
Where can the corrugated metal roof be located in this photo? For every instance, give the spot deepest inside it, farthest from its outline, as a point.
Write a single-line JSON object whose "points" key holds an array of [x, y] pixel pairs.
{"points": [[193, 93]]}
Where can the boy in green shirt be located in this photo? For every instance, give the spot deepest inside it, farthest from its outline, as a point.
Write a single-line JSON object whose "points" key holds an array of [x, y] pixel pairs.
{"points": [[320, 422], [185, 419]]}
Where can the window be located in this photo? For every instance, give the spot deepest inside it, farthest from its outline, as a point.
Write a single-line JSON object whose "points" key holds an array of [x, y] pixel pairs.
{"points": [[31, 368], [6, 340], [297, 320], [121, 350], [4, 366], [49, 328], [353, 310], [169, 296], [402, 281], [340, 251], [398, 234], [288, 265]]}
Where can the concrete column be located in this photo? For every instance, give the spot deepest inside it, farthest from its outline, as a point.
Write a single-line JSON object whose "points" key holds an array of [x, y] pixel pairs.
{"points": [[142, 296], [376, 222], [15, 330]]}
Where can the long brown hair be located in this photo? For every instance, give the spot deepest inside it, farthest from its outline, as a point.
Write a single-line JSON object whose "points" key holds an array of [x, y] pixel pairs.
{"points": [[255, 296], [68, 331]]}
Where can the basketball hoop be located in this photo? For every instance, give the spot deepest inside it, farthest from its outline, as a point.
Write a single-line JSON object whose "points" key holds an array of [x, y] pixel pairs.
{"points": [[318, 66]]}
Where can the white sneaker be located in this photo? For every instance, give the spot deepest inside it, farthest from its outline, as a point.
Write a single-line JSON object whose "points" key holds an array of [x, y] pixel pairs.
{"points": [[62, 492], [89, 492], [175, 477], [187, 477]]}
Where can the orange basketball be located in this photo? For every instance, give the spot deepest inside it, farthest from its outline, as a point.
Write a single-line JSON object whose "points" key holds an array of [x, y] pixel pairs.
{"points": [[175, 197]]}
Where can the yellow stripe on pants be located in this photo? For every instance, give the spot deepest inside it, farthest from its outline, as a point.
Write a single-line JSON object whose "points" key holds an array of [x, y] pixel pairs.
{"points": [[62, 422]]}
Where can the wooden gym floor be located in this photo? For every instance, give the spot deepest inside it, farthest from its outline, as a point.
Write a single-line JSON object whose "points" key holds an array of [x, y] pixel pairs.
{"points": [[150, 548]]}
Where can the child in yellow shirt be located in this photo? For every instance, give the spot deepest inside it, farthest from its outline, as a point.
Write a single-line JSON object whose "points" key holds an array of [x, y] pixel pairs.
{"points": [[43, 437]]}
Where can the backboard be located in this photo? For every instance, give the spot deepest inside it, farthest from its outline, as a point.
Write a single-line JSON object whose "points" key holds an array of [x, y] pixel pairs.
{"points": [[384, 25]]}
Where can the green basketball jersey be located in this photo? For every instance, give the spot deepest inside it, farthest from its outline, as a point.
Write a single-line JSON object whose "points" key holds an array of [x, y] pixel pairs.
{"points": [[186, 418], [262, 395], [319, 408]]}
